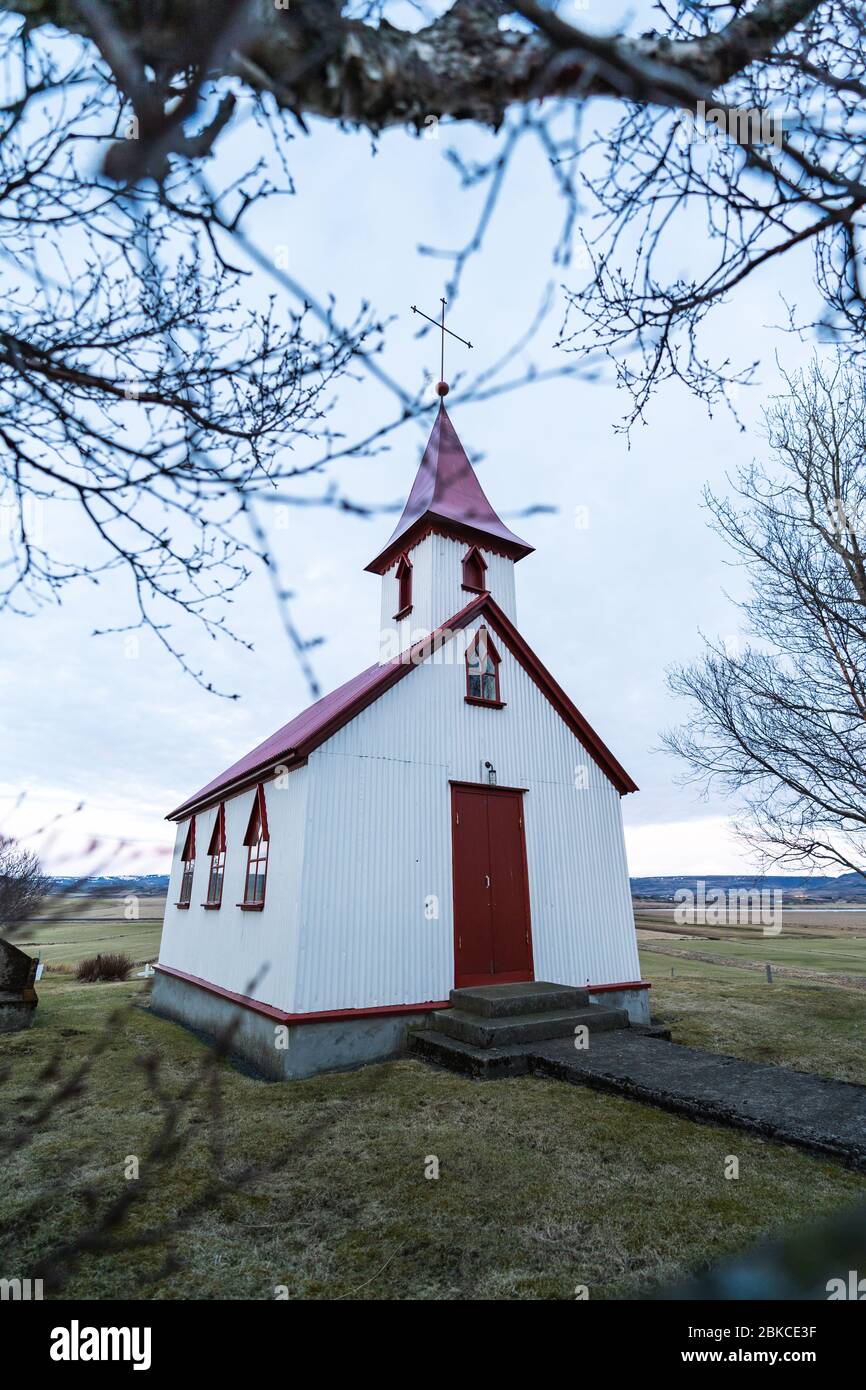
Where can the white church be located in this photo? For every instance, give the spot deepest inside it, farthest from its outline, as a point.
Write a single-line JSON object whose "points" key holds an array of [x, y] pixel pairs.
{"points": [[447, 819]]}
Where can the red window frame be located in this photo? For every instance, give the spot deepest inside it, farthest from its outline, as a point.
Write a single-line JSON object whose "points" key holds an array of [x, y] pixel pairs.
{"points": [[217, 853], [188, 860], [482, 685], [474, 570], [404, 586], [257, 840]]}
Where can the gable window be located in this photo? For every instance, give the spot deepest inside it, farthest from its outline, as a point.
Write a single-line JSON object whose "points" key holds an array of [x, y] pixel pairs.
{"points": [[404, 586], [188, 860], [474, 567], [257, 842], [482, 671], [217, 852]]}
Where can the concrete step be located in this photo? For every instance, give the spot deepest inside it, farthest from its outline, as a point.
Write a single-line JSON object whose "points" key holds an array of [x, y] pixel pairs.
{"points": [[517, 1030], [527, 997], [480, 1063]]}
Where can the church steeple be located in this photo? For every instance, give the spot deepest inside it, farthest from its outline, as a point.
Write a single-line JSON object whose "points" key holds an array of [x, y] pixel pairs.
{"points": [[448, 547], [447, 498]]}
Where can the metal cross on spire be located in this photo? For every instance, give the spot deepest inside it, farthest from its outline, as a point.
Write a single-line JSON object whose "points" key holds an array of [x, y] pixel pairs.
{"points": [[442, 384]]}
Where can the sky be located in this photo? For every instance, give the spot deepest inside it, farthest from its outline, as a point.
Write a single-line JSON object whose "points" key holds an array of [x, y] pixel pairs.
{"points": [[101, 739]]}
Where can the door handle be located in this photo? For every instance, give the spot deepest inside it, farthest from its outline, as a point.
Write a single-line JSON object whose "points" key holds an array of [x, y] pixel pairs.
{"points": [[487, 879]]}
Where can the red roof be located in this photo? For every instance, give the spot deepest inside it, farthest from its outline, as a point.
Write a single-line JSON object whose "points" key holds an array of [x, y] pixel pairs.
{"points": [[297, 739], [447, 495]]}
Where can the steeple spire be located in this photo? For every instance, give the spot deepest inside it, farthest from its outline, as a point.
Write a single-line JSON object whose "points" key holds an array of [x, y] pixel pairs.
{"points": [[446, 496]]}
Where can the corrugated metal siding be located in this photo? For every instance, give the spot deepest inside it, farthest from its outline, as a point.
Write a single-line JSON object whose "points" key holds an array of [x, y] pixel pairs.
{"points": [[437, 591], [378, 842], [230, 947], [378, 834]]}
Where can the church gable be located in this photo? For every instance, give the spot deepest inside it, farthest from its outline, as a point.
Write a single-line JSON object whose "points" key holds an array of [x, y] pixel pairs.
{"points": [[516, 688], [443, 649]]}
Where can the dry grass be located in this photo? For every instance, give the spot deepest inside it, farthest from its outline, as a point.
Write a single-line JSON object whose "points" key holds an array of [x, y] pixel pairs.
{"points": [[113, 965], [542, 1186], [794, 1023]]}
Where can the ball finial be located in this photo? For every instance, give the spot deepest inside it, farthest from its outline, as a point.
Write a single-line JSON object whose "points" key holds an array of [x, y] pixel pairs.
{"points": [[442, 388]]}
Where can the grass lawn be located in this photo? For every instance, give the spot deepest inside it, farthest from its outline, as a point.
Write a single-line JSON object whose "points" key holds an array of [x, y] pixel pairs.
{"points": [[542, 1186], [812, 1027], [836, 955]]}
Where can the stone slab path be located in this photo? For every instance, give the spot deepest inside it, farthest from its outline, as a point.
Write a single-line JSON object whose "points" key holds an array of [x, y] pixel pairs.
{"points": [[812, 1112]]}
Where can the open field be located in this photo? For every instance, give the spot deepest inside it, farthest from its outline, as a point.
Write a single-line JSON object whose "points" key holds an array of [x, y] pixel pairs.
{"points": [[73, 928], [807, 923], [542, 1187], [839, 956]]}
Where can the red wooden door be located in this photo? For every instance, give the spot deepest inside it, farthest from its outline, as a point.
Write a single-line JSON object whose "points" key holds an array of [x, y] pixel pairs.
{"points": [[492, 935]]}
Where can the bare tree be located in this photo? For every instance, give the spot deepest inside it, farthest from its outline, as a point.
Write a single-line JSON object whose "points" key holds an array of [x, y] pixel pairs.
{"points": [[783, 721], [22, 884], [133, 384], [785, 76]]}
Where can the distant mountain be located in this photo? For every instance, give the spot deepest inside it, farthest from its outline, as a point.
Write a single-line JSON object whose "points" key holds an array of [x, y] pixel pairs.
{"points": [[802, 887], [661, 888], [143, 885]]}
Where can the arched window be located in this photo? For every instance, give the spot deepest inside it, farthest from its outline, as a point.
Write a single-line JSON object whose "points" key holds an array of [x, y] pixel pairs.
{"points": [[474, 567], [404, 586], [482, 671], [217, 851], [257, 842], [188, 860]]}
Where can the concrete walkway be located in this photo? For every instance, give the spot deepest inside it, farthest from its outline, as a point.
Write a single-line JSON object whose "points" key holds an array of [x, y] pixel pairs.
{"points": [[812, 1112]]}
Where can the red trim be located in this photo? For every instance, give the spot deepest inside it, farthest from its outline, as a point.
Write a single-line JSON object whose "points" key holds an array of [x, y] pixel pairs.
{"points": [[326, 1015], [473, 650], [212, 907], [189, 842], [251, 907], [257, 841], [404, 586], [217, 843], [187, 860], [474, 568], [322, 1016], [182, 906], [484, 787], [217, 853], [404, 613], [451, 530], [447, 530], [631, 984], [395, 670], [263, 772]]}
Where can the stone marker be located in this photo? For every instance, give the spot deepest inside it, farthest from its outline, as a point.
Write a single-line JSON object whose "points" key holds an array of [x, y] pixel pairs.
{"points": [[17, 996]]}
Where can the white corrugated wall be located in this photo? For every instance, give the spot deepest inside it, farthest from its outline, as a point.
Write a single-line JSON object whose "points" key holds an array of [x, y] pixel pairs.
{"points": [[378, 842], [437, 591], [229, 947]]}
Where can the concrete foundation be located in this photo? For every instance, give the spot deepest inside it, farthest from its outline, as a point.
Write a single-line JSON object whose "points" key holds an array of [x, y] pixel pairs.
{"points": [[284, 1052], [636, 1002]]}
